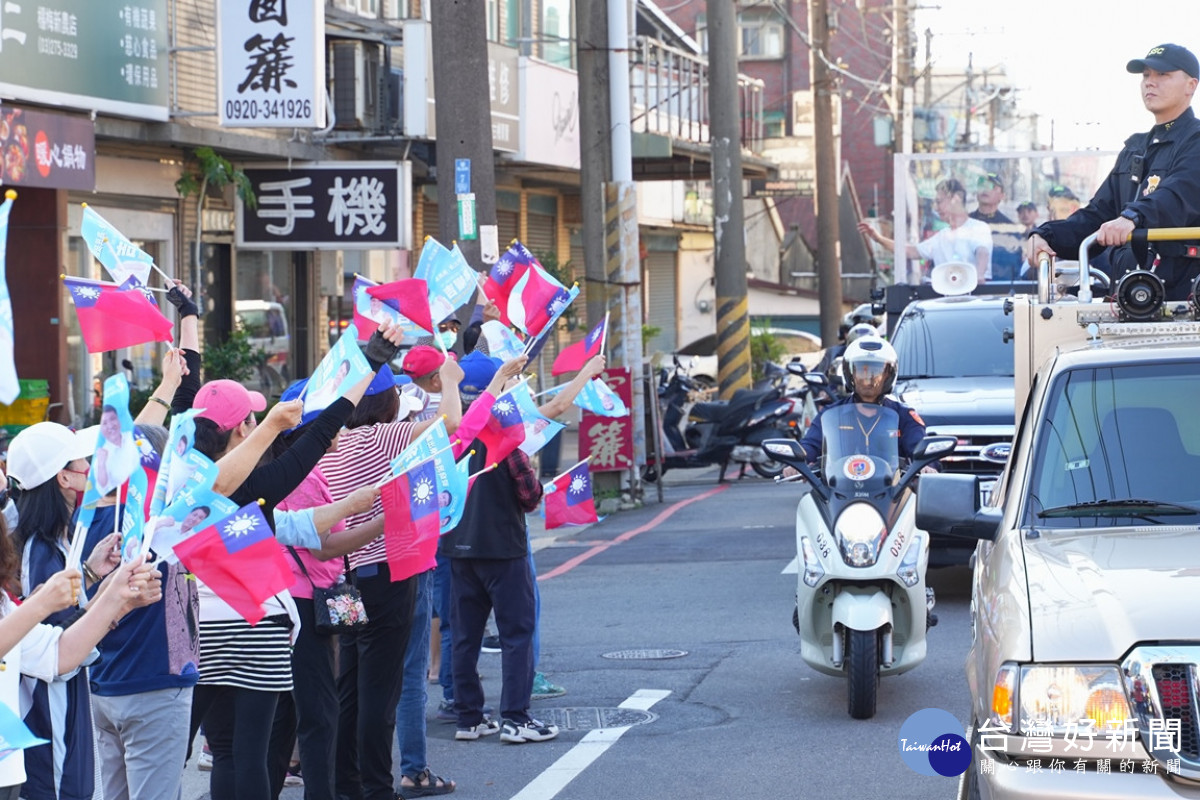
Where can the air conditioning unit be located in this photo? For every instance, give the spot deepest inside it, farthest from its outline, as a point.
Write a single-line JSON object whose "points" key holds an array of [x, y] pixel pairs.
{"points": [[358, 83]]}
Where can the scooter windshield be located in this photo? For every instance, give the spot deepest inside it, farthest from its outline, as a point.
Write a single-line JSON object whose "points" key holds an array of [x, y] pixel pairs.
{"points": [[860, 441]]}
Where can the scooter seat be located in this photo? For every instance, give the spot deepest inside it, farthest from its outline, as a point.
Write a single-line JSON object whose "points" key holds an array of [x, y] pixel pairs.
{"points": [[744, 401]]}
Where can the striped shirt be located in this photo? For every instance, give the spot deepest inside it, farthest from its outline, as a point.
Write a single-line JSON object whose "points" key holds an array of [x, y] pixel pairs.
{"points": [[235, 653], [363, 457]]}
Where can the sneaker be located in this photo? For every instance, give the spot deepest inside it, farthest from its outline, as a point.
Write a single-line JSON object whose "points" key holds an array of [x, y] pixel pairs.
{"points": [[446, 712], [543, 689], [485, 728], [204, 762], [491, 644], [293, 777], [529, 731]]}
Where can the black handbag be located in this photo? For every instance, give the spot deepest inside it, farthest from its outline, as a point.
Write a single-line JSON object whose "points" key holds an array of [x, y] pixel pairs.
{"points": [[338, 609]]}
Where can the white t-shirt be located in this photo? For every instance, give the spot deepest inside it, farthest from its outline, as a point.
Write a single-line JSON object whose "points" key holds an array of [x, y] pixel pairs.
{"points": [[37, 657], [959, 244]]}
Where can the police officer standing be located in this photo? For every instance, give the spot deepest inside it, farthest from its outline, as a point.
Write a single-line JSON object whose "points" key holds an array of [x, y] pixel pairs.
{"points": [[1154, 184]]}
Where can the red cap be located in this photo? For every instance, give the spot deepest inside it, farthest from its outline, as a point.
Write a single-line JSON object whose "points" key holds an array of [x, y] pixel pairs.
{"points": [[227, 403], [421, 360]]}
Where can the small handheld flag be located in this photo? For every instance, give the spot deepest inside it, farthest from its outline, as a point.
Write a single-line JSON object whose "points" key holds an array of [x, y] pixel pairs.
{"points": [[574, 357], [111, 317], [569, 498]]}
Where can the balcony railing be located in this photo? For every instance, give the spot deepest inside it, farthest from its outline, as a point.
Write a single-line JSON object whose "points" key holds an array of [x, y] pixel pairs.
{"points": [[669, 91]]}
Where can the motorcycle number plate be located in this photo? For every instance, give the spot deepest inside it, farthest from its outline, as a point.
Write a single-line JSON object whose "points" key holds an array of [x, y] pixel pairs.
{"points": [[859, 468]]}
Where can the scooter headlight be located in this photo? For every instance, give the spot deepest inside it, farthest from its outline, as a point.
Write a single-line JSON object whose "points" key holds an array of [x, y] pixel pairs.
{"points": [[813, 571], [908, 571], [860, 531]]}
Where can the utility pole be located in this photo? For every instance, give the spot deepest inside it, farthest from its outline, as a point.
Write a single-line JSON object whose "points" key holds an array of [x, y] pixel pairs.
{"points": [[829, 268], [595, 155], [463, 117], [729, 238]]}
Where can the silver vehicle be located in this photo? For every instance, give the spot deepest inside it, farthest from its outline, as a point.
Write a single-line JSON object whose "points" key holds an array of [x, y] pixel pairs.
{"points": [[1084, 667]]}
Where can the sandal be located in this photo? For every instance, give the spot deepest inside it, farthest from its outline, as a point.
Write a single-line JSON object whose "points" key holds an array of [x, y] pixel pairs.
{"points": [[424, 784]]}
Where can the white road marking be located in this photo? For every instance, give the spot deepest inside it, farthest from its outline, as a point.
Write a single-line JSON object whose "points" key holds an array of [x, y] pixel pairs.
{"points": [[793, 567], [580, 757]]}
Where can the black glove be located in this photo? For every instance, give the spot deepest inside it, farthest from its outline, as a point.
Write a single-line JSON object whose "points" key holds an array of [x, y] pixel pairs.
{"points": [[379, 351], [182, 303]]}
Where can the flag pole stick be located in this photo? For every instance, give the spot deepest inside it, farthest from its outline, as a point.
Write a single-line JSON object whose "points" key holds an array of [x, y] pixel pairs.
{"points": [[604, 335], [572, 467], [64, 276], [416, 464], [485, 469]]}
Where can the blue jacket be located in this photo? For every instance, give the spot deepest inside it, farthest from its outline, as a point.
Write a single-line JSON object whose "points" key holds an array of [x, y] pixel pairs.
{"points": [[153, 647], [912, 428]]}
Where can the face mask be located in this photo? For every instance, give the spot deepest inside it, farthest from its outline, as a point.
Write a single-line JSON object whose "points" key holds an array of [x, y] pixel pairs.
{"points": [[447, 338]]}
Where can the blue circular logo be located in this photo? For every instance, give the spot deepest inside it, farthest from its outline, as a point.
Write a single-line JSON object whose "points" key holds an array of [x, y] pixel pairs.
{"points": [[932, 742]]}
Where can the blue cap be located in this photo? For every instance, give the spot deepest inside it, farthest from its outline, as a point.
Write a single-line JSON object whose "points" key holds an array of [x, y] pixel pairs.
{"points": [[384, 379], [478, 370], [402, 380]]}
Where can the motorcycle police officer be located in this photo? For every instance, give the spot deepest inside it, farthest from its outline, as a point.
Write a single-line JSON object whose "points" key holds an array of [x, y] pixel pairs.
{"points": [[1154, 184], [869, 370]]}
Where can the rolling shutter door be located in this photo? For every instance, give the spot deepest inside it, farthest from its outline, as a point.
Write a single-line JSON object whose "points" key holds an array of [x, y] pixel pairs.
{"points": [[659, 297]]}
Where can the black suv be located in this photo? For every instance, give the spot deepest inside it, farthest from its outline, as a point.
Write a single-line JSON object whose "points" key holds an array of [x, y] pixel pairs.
{"points": [[956, 370]]}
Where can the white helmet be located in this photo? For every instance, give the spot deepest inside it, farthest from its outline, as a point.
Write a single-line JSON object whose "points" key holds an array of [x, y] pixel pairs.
{"points": [[867, 358], [859, 331]]}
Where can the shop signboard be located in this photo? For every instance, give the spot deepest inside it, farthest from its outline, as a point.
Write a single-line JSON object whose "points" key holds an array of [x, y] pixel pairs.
{"points": [[49, 151], [344, 205], [609, 440], [85, 54], [271, 63]]}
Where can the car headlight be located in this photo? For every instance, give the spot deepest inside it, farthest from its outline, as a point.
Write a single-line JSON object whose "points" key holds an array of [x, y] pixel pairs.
{"points": [[860, 531], [1072, 697], [908, 571], [813, 571]]}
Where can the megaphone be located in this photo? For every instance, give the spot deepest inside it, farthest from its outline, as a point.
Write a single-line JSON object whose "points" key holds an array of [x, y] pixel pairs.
{"points": [[954, 277]]}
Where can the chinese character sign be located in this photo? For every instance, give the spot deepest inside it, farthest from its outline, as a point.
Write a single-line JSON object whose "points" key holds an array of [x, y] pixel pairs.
{"points": [[271, 63], [344, 206], [609, 440], [46, 150]]}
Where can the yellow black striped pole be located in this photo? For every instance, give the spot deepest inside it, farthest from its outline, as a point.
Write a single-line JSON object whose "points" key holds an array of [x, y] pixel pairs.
{"points": [[733, 345]]}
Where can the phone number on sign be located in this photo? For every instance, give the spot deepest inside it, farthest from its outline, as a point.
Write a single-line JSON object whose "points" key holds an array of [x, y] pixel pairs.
{"points": [[268, 109]]}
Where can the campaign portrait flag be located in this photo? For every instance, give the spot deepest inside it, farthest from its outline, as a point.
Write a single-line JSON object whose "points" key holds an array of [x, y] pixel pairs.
{"points": [[432, 253], [121, 257], [195, 509], [575, 356], [410, 297], [111, 317], [597, 397], [539, 429], [411, 522], [173, 468], [133, 516], [450, 279], [117, 455], [239, 560], [456, 488], [502, 343], [503, 429], [10, 387], [434, 444], [504, 274], [14, 733], [568, 498], [341, 368], [537, 300]]}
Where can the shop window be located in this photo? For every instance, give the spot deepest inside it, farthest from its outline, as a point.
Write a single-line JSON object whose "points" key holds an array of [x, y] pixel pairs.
{"points": [[264, 309]]}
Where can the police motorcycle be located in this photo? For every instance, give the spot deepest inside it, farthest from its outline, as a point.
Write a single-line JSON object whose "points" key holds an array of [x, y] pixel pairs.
{"points": [[719, 432], [862, 608]]}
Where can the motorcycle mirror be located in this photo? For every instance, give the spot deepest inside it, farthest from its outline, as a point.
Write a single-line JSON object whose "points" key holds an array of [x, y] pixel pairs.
{"points": [[816, 379], [795, 367], [934, 447]]}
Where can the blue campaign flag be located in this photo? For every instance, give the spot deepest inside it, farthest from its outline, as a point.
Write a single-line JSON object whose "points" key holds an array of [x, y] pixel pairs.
{"points": [[452, 495], [501, 341], [451, 282], [121, 257], [192, 511], [9, 386], [539, 430], [596, 397], [133, 516], [435, 443], [181, 438], [117, 455], [14, 734], [341, 368]]}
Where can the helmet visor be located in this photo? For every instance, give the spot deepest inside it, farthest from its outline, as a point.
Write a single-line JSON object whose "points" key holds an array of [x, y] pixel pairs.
{"points": [[869, 377]]}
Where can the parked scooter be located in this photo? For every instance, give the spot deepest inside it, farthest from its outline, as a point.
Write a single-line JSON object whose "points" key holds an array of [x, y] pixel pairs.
{"points": [[719, 432], [861, 604]]}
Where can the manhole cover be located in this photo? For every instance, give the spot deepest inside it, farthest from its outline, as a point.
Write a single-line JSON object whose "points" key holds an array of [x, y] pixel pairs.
{"points": [[586, 719], [645, 655]]}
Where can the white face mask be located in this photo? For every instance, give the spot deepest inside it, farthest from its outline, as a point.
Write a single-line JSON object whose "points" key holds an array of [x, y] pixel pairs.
{"points": [[447, 338]]}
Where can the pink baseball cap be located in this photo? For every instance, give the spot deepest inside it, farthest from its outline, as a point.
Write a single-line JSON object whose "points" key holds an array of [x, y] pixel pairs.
{"points": [[421, 360], [227, 403]]}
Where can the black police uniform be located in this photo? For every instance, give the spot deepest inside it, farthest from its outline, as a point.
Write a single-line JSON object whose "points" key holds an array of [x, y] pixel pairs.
{"points": [[912, 428], [1157, 176]]}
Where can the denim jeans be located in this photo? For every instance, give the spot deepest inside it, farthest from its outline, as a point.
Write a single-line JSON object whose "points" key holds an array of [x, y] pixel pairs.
{"points": [[441, 602], [410, 711]]}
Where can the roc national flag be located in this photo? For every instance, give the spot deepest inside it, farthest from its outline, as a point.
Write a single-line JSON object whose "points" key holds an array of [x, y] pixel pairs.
{"points": [[121, 257], [195, 509], [569, 498], [239, 560], [435, 444], [111, 317], [369, 311], [503, 429], [410, 520], [9, 386], [537, 300], [410, 297], [504, 274], [573, 357]]}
